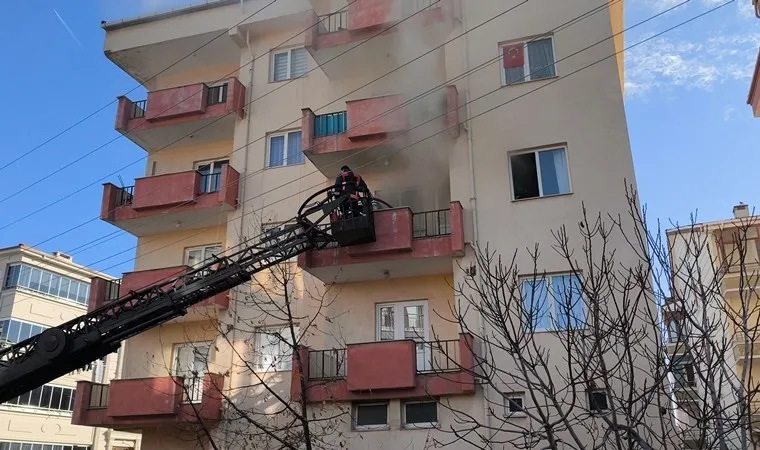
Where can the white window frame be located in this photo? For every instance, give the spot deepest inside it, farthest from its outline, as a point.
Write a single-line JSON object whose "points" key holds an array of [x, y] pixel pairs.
{"points": [[355, 416], [285, 150], [420, 425], [193, 397], [285, 365], [535, 152], [289, 52], [547, 278], [512, 396], [526, 62], [204, 249]]}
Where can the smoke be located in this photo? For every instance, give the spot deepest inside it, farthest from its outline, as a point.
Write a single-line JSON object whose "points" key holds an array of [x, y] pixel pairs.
{"points": [[422, 167]]}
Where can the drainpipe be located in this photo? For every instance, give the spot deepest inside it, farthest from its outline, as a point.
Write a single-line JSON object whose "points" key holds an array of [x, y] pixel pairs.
{"points": [[473, 202]]}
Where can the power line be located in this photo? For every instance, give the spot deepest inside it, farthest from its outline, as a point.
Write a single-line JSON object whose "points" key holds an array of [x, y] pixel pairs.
{"points": [[75, 124], [548, 83], [188, 134]]}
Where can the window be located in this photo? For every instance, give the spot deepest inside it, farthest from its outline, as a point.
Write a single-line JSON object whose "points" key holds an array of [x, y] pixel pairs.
{"points": [[15, 445], [48, 283], [540, 173], [420, 414], [553, 302], [196, 257], [370, 416], [597, 400], [47, 397], [291, 63], [513, 404], [13, 331], [285, 149], [683, 372], [274, 349], [674, 330], [190, 362], [528, 60], [217, 94], [406, 320], [211, 174]]}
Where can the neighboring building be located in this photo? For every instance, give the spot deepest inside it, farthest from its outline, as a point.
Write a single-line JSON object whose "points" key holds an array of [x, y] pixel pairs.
{"points": [[507, 178], [712, 320], [754, 90], [41, 290]]}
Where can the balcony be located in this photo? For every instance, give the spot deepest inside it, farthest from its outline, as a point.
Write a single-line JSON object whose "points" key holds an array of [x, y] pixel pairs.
{"points": [[408, 244], [148, 402], [363, 372], [386, 22], [103, 291], [171, 116], [164, 203], [754, 91], [369, 129]]}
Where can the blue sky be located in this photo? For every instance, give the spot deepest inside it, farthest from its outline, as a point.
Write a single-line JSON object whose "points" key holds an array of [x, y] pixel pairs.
{"points": [[691, 130]]}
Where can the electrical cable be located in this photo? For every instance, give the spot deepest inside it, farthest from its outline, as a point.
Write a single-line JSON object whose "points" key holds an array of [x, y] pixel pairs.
{"points": [[548, 83], [75, 124]]}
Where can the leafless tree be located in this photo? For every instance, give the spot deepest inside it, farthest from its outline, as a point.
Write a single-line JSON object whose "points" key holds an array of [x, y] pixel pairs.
{"points": [[585, 362]]}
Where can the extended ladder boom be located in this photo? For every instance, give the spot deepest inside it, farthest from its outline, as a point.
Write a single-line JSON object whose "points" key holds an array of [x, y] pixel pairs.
{"points": [[74, 344]]}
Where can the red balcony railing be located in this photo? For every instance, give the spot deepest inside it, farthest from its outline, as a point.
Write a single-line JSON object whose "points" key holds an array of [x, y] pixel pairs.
{"points": [[372, 125], [160, 203], [416, 243], [181, 110], [148, 402], [362, 371], [102, 291]]}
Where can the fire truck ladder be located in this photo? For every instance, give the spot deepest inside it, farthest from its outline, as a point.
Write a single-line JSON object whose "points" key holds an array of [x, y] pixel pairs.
{"points": [[57, 351]]}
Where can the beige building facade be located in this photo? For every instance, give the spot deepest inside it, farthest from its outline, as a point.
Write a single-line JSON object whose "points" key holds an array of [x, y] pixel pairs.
{"points": [[467, 118], [39, 291]]}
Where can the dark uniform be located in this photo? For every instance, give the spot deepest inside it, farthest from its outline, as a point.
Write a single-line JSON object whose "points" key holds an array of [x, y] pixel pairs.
{"points": [[352, 184]]}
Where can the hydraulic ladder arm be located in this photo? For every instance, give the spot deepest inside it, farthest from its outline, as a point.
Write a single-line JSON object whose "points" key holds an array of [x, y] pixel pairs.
{"points": [[78, 342]]}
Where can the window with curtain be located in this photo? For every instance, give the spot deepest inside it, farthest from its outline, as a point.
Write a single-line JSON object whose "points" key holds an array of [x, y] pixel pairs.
{"points": [[285, 149], [540, 173], [13, 331], [17, 445], [290, 63], [553, 302], [527, 60], [196, 257]]}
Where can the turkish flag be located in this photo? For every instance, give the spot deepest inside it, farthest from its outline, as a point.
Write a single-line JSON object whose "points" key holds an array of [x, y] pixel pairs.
{"points": [[514, 56]]}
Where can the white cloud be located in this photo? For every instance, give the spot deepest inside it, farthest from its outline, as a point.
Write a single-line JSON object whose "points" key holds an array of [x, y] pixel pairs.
{"points": [[663, 63], [744, 8], [728, 112]]}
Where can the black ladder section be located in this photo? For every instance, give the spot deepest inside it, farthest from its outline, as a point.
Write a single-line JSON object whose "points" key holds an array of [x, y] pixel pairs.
{"points": [[70, 346]]}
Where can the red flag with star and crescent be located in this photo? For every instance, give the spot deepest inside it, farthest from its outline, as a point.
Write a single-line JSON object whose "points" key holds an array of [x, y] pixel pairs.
{"points": [[513, 56]]}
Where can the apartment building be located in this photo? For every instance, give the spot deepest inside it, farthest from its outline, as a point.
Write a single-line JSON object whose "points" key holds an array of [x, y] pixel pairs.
{"points": [[235, 147], [41, 290], [712, 324]]}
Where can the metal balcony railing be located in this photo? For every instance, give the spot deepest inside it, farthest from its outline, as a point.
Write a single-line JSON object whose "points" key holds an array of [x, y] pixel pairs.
{"points": [[99, 396], [193, 389], [217, 95], [430, 224], [125, 195], [327, 364], [438, 356], [138, 109], [330, 23], [330, 124]]}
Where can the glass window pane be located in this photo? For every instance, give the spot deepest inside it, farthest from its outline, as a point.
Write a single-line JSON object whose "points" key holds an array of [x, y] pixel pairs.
{"points": [[26, 331], [299, 62], [524, 175], [276, 151], [25, 398], [13, 275], [25, 276], [47, 394], [295, 154], [45, 282], [63, 290], [14, 331], [82, 293], [36, 277], [554, 173], [541, 58], [15, 446], [371, 415], [55, 400], [36, 397], [66, 399], [535, 303], [426, 412], [73, 288], [280, 71], [26, 446], [4, 324], [55, 283]]}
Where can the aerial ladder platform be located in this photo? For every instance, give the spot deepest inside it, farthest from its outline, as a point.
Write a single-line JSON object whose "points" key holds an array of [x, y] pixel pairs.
{"points": [[335, 219]]}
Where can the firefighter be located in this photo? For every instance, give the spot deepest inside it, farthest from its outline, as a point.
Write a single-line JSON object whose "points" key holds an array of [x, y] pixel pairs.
{"points": [[353, 185]]}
